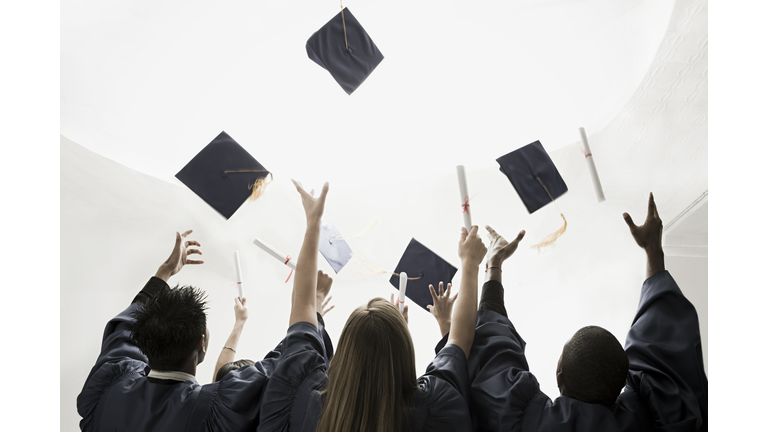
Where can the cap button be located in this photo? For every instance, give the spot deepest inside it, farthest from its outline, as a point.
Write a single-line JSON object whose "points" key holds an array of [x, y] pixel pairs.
{"points": [[224, 174], [349, 50]]}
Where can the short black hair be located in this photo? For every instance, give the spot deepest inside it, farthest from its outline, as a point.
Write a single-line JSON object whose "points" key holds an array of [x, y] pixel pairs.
{"points": [[229, 367], [594, 366], [169, 326]]}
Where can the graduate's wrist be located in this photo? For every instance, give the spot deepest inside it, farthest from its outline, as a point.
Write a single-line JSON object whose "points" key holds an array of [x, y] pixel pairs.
{"points": [[164, 272]]}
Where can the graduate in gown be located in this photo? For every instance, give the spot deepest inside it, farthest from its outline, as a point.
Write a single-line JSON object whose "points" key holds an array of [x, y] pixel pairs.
{"points": [[144, 377], [371, 382], [662, 370]]}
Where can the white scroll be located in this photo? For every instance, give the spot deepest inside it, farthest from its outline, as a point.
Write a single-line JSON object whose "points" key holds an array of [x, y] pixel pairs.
{"points": [[285, 259], [464, 197], [403, 283], [239, 275], [591, 166]]}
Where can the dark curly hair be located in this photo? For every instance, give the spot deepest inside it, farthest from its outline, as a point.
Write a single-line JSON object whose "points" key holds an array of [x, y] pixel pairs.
{"points": [[593, 366], [169, 325]]}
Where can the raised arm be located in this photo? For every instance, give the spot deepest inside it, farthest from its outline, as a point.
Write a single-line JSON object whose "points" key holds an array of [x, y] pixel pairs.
{"points": [[663, 345], [648, 237], [471, 251], [303, 302], [228, 351]]}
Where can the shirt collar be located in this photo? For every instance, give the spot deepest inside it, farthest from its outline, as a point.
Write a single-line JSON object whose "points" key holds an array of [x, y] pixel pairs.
{"points": [[171, 375]]}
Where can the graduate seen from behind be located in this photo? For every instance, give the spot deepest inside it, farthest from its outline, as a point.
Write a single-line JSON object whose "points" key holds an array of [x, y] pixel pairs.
{"points": [[144, 377], [660, 369], [371, 384]]}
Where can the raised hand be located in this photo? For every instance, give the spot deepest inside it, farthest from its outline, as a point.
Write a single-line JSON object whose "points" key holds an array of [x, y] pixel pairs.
{"points": [[179, 256], [647, 235], [313, 207], [241, 310], [471, 247], [396, 301], [442, 306], [324, 283], [501, 249]]}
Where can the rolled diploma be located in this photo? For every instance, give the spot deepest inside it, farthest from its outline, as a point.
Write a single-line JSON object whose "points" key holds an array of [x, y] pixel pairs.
{"points": [[239, 274], [403, 283], [464, 196], [591, 166], [270, 250]]}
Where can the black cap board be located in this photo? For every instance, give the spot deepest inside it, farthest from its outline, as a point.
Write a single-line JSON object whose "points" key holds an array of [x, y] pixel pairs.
{"points": [[420, 262], [333, 247], [533, 175], [223, 174], [343, 48]]}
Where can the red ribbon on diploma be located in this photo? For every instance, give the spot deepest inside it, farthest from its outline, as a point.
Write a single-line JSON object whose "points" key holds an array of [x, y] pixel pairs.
{"points": [[465, 206], [288, 258]]}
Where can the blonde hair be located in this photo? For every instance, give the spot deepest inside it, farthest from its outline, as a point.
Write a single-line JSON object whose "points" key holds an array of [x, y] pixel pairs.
{"points": [[372, 375]]}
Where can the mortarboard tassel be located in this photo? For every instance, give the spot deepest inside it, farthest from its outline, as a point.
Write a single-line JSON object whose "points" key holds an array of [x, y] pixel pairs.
{"points": [[550, 239], [258, 187], [372, 270]]}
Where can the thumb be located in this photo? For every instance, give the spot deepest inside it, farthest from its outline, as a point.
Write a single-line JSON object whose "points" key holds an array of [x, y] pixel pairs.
{"points": [[628, 220], [519, 236], [464, 234]]}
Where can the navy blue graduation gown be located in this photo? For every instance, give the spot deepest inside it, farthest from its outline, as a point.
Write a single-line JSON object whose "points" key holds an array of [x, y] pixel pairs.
{"points": [[118, 396], [292, 399], [666, 386]]}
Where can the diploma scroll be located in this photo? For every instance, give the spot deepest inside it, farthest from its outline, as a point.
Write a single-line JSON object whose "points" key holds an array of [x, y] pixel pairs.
{"points": [[464, 196], [403, 283], [239, 275], [591, 166], [285, 259]]}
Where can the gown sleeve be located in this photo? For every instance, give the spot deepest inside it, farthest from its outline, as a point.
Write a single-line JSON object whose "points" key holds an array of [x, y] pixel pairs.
{"points": [[119, 356], [445, 388], [504, 394], [666, 366], [301, 365]]}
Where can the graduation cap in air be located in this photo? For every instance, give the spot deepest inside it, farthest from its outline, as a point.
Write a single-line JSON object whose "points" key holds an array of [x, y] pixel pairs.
{"points": [[333, 247], [536, 179], [343, 48], [224, 175], [423, 267]]}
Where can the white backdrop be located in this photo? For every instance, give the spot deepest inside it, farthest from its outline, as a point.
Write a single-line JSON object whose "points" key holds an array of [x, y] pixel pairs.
{"points": [[125, 97]]}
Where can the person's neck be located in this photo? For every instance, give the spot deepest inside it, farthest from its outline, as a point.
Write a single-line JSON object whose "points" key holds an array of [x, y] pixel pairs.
{"points": [[190, 366]]}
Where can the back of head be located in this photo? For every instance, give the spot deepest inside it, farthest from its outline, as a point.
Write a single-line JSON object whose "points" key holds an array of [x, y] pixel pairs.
{"points": [[169, 326], [235, 365], [593, 367], [372, 375]]}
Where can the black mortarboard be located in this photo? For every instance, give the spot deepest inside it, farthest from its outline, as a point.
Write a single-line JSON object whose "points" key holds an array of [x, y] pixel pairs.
{"points": [[224, 175], [420, 262], [525, 167], [343, 48], [333, 247]]}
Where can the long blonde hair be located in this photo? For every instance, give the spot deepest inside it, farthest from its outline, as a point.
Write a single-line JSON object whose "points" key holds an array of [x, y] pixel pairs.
{"points": [[372, 375]]}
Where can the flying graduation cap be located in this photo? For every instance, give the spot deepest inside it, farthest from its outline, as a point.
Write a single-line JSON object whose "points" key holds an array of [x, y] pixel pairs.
{"points": [[343, 48], [224, 175], [333, 247], [423, 267], [536, 179]]}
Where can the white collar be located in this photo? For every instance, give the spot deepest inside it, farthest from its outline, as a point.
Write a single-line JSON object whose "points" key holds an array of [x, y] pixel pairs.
{"points": [[171, 375]]}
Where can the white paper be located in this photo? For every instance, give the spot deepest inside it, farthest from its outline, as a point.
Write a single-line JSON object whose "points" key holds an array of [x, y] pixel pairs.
{"points": [[272, 251], [403, 283], [238, 275], [591, 166], [464, 196]]}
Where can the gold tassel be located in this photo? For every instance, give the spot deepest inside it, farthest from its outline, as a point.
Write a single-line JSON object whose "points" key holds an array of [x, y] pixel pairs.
{"points": [[363, 232], [550, 239], [366, 269], [258, 188]]}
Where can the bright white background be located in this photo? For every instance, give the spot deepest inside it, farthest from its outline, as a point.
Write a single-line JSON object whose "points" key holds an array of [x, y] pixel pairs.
{"points": [[33, 236]]}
